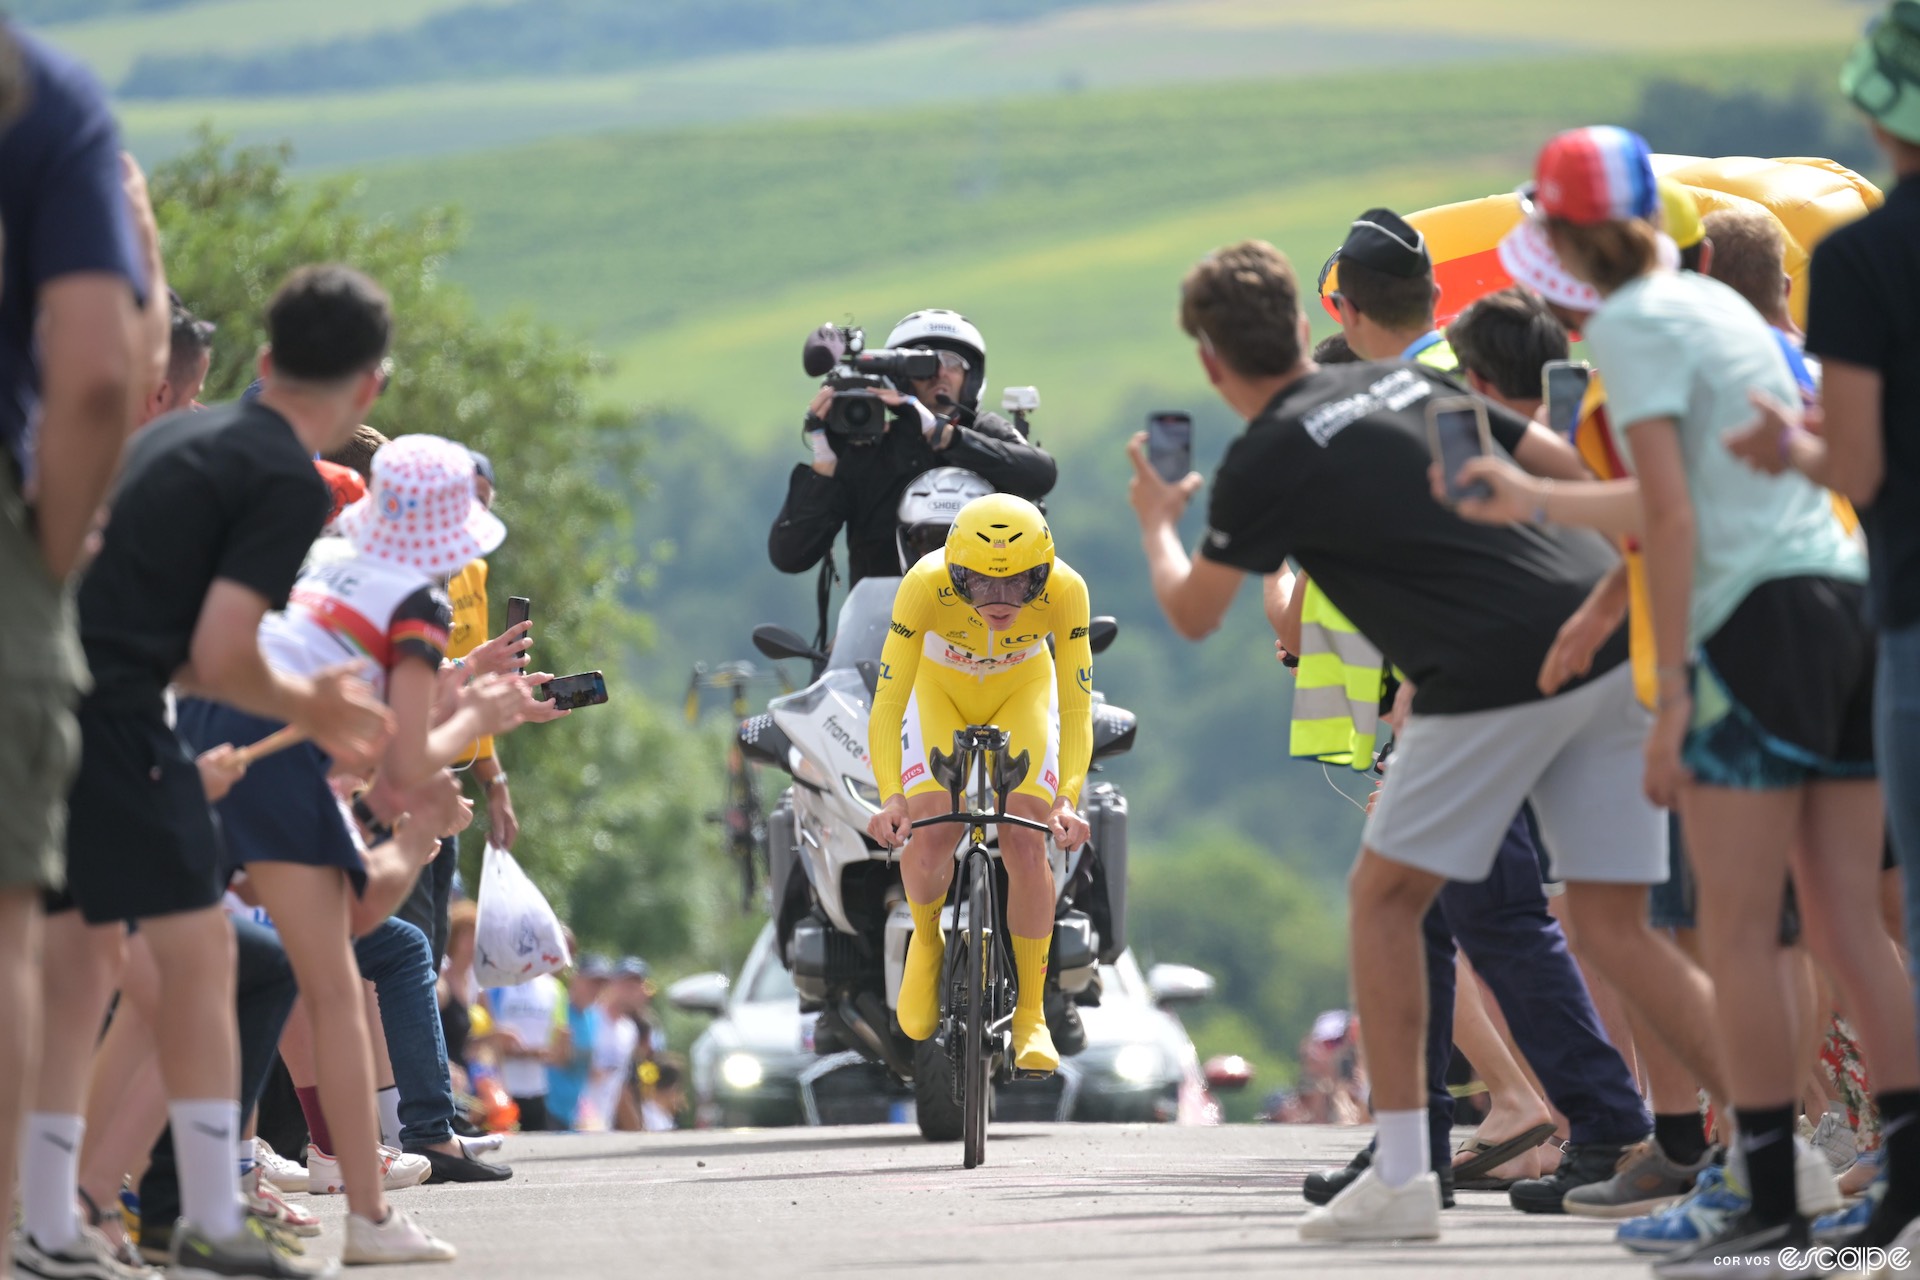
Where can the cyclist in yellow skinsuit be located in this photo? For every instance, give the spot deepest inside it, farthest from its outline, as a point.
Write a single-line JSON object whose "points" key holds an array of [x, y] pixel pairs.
{"points": [[968, 646]]}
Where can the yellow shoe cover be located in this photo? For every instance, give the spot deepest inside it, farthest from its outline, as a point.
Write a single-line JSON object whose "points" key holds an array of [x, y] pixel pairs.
{"points": [[919, 1010], [1033, 1044]]}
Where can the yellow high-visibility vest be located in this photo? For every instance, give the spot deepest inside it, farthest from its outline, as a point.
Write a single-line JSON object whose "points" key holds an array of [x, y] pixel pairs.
{"points": [[1336, 688]]}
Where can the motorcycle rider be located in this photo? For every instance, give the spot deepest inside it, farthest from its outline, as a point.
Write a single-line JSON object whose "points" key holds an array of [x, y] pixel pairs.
{"points": [[932, 422], [986, 606], [927, 510]]}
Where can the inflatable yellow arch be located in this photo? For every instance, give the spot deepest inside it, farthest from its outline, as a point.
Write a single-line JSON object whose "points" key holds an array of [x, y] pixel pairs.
{"points": [[1810, 197]]}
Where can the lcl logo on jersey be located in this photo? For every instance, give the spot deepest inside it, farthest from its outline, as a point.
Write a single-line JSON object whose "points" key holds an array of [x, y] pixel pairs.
{"points": [[1012, 642]]}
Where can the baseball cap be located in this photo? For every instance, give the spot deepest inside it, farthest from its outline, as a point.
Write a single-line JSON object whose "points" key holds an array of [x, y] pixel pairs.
{"points": [[1602, 173], [1332, 1024], [1682, 213], [632, 967], [483, 466], [344, 483], [1882, 74], [1383, 240], [593, 966]]}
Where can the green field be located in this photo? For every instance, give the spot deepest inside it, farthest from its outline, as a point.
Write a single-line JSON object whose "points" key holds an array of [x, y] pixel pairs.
{"points": [[1168, 42], [700, 257], [110, 44]]}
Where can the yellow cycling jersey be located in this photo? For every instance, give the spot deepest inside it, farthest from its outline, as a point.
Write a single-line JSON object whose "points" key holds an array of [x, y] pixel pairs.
{"points": [[939, 639]]}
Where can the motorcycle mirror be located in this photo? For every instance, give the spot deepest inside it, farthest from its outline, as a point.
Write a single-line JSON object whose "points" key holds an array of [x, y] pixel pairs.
{"points": [[1178, 984], [1101, 632], [778, 642], [701, 993], [1228, 1073]]}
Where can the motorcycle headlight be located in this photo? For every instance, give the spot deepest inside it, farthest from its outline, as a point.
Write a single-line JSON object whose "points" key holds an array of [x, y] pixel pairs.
{"points": [[864, 793], [1137, 1063], [741, 1071]]}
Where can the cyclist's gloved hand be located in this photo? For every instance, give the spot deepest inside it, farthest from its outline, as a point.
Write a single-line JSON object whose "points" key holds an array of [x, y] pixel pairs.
{"points": [[891, 826], [1069, 829]]}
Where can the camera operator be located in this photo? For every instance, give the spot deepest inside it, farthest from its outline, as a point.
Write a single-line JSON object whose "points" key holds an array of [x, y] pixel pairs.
{"points": [[932, 422]]}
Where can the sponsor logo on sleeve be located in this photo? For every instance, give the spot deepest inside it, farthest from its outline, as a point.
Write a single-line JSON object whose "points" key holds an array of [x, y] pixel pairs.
{"points": [[1079, 633], [905, 633], [1086, 678], [1218, 539], [912, 773], [886, 671]]}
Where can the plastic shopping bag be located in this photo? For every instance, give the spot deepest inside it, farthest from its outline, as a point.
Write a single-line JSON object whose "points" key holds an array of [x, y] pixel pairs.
{"points": [[517, 937]]}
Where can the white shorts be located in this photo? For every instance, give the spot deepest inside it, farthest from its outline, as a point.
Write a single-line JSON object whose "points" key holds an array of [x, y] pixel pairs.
{"points": [[1455, 781]]}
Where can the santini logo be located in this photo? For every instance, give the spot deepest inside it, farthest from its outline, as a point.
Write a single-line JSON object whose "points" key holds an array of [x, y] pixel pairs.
{"points": [[905, 633]]}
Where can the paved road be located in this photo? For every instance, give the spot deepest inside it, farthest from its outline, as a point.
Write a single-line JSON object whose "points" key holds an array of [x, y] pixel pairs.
{"points": [[1123, 1201]]}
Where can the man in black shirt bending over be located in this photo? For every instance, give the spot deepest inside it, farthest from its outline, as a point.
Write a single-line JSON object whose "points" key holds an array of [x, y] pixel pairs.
{"points": [[1333, 470]]}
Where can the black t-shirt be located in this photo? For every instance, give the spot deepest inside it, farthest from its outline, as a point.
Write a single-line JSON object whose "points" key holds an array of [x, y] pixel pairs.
{"points": [[1334, 473], [227, 492], [1863, 309]]}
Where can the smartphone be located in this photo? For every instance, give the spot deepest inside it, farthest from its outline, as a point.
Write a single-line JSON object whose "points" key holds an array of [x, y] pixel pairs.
{"points": [[588, 689], [519, 609], [1456, 431], [1170, 445], [1563, 384]]}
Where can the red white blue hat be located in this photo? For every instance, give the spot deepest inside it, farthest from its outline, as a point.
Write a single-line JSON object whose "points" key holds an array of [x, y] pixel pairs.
{"points": [[421, 510], [1598, 174]]}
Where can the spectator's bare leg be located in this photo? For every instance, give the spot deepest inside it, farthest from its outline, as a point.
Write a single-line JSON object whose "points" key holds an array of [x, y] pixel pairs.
{"points": [[1386, 901], [1836, 868], [79, 970], [310, 907], [1739, 841], [19, 1049], [200, 1060], [1654, 976], [1516, 1104], [1615, 1020]]}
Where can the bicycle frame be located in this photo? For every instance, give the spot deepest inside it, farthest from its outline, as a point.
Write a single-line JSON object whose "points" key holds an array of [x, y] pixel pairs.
{"points": [[976, 1037]]}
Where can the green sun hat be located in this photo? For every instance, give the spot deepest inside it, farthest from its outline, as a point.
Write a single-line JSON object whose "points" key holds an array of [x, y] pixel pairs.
{"points": [[1882, 75]]}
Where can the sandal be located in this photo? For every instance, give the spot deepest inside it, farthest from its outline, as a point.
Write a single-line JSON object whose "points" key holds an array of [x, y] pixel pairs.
{"points": [[1474, 1174]]}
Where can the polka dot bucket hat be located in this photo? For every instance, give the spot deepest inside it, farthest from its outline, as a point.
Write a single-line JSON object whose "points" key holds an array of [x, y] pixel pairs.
{"points": [[420, 509]]}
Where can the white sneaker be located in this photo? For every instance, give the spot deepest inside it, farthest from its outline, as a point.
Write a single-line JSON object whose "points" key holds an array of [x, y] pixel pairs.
{"points": [[398, 1239], [1817, 1190], [1369, 1210], [264, 1203], [287, 1176], [398, 1171]]}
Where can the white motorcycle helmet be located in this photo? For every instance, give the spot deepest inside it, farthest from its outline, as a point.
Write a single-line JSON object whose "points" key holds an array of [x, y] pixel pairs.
{"points": [[928, 507], [944, 330]]}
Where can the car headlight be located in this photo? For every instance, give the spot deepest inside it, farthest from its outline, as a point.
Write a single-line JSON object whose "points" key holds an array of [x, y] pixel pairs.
{"points": [[863, 793], [1137, 1063], [741, 1071]]}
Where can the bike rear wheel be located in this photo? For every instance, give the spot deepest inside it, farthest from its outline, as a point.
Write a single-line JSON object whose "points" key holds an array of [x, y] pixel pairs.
{"points": [[980, 986]]}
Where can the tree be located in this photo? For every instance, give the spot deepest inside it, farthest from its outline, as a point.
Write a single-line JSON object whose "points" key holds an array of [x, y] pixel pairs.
{"points": [[1273, 941], [612, 799]]}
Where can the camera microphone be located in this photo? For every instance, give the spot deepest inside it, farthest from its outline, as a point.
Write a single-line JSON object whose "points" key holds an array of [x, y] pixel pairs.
{"points": [[825, 347]]}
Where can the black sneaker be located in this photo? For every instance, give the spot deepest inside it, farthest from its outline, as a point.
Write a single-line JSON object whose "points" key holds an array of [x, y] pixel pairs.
{"points": [[1324, 1184], [1582, 1165], [1744, 1247], [465, 1167]]}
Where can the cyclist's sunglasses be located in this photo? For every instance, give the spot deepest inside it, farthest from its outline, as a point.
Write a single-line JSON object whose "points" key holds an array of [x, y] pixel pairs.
{"points": [[978, 588]]}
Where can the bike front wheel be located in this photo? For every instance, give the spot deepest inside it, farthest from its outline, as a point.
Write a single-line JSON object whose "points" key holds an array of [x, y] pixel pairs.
{"points": [[980, 986]]}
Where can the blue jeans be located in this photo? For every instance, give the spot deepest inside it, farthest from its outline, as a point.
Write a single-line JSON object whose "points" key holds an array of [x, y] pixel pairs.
{"points": [[1503, 926], [396, 958], [1896, 744]]}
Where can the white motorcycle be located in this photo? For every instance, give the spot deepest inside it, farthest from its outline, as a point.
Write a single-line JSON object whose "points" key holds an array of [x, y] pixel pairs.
{"points": [[842, 926]]}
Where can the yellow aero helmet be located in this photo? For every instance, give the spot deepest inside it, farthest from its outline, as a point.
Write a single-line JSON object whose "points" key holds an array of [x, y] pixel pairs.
{"points": [[999, 551]]}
